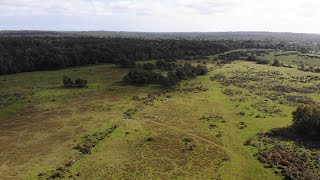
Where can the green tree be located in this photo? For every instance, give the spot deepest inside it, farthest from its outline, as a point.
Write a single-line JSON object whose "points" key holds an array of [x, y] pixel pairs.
{"points": [[306, 119], [262, 61], [148, 66], [276, 63], [67, 82], [142, 77], [252, 58], [80, 83], [171, 80], [123, 62], [201, 69]]}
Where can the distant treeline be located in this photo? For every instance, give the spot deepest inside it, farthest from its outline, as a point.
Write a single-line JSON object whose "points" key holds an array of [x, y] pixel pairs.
{"points": [[212, 36], [21, 54]]}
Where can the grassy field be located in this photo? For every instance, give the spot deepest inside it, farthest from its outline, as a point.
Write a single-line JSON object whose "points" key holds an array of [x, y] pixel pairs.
{"points": [[198, 130], [294, 59]]}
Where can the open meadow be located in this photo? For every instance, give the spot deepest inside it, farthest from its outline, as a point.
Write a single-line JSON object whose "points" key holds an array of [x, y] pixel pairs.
{"points": [[214, 126], [159, 90]]}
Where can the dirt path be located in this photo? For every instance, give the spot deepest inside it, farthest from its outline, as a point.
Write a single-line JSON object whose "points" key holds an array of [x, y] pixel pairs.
{"points": [[242, 164], [191, 134]]}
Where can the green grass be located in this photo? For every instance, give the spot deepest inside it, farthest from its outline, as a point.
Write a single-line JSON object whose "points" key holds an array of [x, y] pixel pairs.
{"points": [[294, 60], [38, 133], [19, 91]]}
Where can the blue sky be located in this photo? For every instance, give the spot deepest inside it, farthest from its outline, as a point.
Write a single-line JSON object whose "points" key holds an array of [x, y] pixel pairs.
{"points": [[161, 16]]}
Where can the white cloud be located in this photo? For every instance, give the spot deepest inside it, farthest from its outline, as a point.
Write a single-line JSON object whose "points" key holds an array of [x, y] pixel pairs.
{"points": [[136, 7], [52, 7], [171, 15], [206, 6]]}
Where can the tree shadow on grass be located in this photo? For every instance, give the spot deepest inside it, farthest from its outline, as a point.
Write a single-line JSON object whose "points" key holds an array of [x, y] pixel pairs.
{"points": [[150, 86], [290, 134], [119, 83]]}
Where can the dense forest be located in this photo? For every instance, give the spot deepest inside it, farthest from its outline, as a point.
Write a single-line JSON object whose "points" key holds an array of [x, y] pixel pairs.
{"points": [[235, 36], [22, 54]]}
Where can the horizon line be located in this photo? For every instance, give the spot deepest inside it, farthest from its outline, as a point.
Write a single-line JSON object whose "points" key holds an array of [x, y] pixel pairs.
{"points": [[41, 30]]}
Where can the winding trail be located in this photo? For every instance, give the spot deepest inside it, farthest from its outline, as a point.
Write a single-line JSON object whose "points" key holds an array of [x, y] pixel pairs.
{"points": [[191, 134]]}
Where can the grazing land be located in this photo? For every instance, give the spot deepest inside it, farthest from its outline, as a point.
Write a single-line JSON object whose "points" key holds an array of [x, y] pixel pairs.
{"points": [[230, 123]]}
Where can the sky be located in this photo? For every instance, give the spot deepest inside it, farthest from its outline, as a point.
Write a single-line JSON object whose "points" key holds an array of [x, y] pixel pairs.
{"points": [[161, 15]]}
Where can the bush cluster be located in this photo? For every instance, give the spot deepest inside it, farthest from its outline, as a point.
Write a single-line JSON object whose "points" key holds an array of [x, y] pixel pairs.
{"points": [[306, 120], [78, 83], [141, 77], [123, 61], [148, 66], [276, 63], [168, 64], [183, 73], [262, 61], [187, 71]]}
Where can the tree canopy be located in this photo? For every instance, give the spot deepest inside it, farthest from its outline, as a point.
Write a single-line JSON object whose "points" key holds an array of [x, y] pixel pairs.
{"points": [[306, 119], [21, 54]]}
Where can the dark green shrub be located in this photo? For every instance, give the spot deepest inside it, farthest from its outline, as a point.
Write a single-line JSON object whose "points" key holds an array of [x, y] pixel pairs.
{"points": [[173, 77], [148, 66], [166, 64], [262, 61], [276, 63], [80, 83], [306, 119], [252, 58], [142, 77], [170, 60], [123, 61], [67, 82], [201, 69], [171, 80]]}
